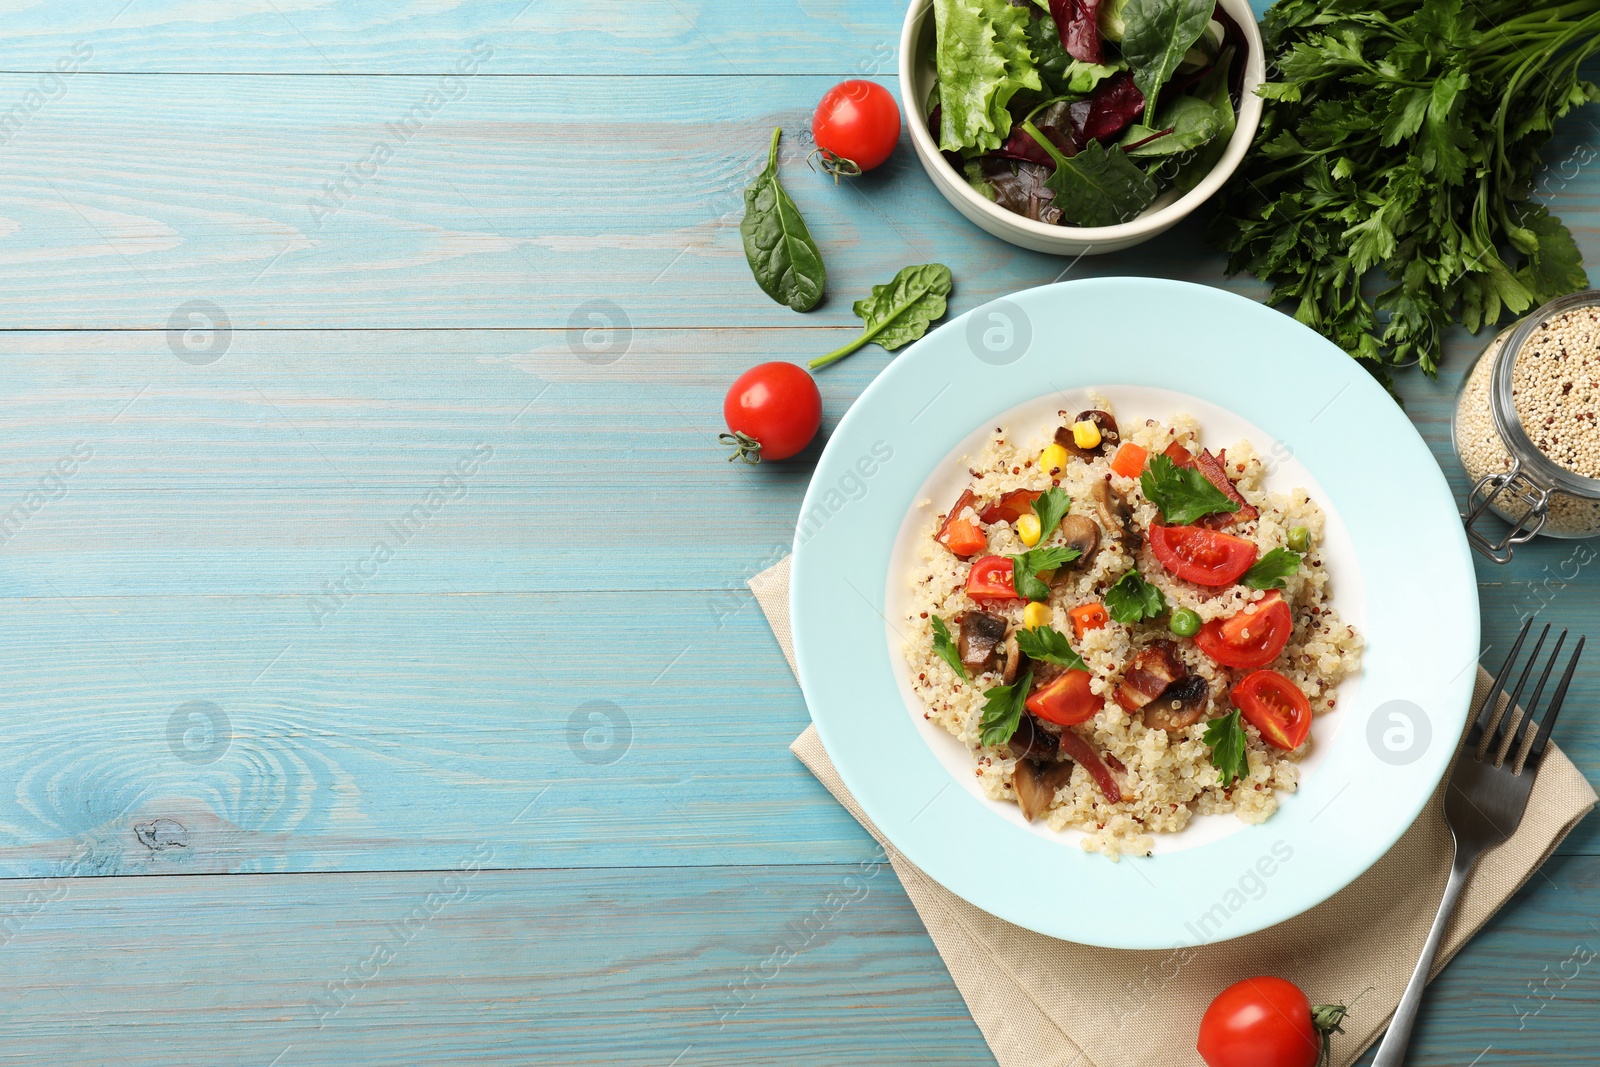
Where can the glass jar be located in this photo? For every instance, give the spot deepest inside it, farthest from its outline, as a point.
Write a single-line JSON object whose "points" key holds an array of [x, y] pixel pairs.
{"points": [[1495, 427]]}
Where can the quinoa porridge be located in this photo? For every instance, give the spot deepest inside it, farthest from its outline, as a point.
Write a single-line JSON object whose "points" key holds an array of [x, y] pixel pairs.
{"points": [[1124, 628]]}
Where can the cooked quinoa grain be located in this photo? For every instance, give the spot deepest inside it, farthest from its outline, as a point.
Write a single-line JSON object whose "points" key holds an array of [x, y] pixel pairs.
{"points": [[1165, 778]]}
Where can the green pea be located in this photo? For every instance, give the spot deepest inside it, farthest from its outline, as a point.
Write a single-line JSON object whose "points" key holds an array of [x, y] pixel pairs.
{"points": [[1299, 539], [1184, 623]]}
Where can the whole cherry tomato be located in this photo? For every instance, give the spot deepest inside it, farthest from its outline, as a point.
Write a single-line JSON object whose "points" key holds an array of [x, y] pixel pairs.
{"points": [[856, 126], [1266, 1022], [773, 411]]}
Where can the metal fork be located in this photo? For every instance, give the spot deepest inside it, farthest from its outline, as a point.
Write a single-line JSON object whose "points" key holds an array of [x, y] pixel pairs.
{"points": [[1484, 802]]}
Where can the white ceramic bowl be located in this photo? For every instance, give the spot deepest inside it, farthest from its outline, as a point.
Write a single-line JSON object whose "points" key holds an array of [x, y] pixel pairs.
{"points": [[917, 80]]}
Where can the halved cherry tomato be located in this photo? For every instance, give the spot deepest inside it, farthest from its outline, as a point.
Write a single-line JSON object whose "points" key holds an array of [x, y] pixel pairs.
{"points": [[1086, 617], [990, 579], [1010, 507], [1249, 639], [1065, 701], [965, 538], [1275, 706], [1078, 750], [1179, 455], [1129, 460], [1204, 557]]}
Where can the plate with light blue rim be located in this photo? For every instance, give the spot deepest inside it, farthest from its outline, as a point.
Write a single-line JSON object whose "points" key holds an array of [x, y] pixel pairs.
{"points": [[1400, 568]]}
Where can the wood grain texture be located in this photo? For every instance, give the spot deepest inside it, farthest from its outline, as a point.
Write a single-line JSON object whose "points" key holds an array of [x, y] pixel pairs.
{"points": [[545, 261], [626, 967]]}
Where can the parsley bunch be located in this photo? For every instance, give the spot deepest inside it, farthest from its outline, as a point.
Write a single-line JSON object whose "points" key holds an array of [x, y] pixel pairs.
{"points": [[1401, 137]]}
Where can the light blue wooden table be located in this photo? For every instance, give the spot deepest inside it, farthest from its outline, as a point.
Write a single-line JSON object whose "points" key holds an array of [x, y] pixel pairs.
{"points": [[381, 685]]}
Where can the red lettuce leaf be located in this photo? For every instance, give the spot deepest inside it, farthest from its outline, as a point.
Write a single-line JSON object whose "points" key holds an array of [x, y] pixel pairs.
{"points": [[1080, 35]]}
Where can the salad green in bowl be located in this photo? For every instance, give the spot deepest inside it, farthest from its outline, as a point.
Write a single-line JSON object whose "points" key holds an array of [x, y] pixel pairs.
{"points": [[1076, 126]]}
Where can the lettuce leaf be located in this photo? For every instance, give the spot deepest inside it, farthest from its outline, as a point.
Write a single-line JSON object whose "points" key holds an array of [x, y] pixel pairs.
{"points": [[982, 60]]}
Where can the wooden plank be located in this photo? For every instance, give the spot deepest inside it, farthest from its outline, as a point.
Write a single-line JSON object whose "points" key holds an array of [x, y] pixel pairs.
{"points": [[838, 38], [634, 966], [586, 729]]}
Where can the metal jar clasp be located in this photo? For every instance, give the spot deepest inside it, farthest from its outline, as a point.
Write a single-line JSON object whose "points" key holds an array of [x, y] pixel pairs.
{"points": [[1535, 503]]}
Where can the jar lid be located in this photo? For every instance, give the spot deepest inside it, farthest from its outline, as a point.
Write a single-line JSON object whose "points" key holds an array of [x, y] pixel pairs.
{"points": [[1502, 404]]}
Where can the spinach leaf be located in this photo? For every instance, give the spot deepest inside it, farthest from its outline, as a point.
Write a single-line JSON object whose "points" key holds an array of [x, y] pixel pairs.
{"points": [[1270, 570], [1184, 125], [945, 648], [1213, 89], [1133, 599], [1049, 645], [1096, 187], [1156, 35], [1227, 739], [1002, 710], [899, 312], [783, 257], [982, 59]]}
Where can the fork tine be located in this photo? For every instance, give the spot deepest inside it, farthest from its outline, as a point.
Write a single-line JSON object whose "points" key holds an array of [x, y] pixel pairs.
{"points": [[1514, 721], [1556, 700], [1496, 713], [1493, 698]]}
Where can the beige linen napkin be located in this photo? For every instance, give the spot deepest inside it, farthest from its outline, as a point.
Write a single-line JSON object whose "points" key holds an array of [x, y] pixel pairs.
{"points": [[1047, 1003]]}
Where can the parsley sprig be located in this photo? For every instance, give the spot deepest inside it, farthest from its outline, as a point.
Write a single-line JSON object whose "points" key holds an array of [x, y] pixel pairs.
{"points": [[1400, 139], [1049, 645], [1025, 569], [1133, 599], [1270, 570], [1051, 507], [1002, 710], [945, 648], [1227, 740], [1182, 493]]}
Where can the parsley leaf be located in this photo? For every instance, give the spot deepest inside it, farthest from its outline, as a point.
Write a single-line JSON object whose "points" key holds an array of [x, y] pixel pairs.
{"points": [[1049, 645], [1133, 599], [1051, 507], [1377, 127], [1270, 570], [945, 648], [1026, 567], [1182, 493], [1227, 739], [1002, 710]]}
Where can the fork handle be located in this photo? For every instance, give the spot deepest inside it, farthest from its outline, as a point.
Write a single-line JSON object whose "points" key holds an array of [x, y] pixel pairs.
{"points": [[1392, 1053]]}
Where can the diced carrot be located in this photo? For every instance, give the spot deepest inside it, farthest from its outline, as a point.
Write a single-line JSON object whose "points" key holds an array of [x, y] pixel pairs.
{"points": [[1086, 617], [1179, 455], [1129, 460], [965, 538]]}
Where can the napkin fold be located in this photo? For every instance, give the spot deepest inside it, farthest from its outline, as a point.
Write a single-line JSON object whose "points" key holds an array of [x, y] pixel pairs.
{"points": [[1041, 1002]]}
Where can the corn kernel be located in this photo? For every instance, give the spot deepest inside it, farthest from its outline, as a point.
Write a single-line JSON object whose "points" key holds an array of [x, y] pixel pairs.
{"points": [[1053, 458], [1028, 529], [1086, 434], [1036, 615]]}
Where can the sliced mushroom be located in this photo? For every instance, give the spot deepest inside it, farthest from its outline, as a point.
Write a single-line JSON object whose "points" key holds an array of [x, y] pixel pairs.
{"points": [[1037, 783], [1154, 668], [1083, 534], [1013, 660], [1109, 435], [1032, 741], [980, 641], [1115, 515], [1181, 705]]}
